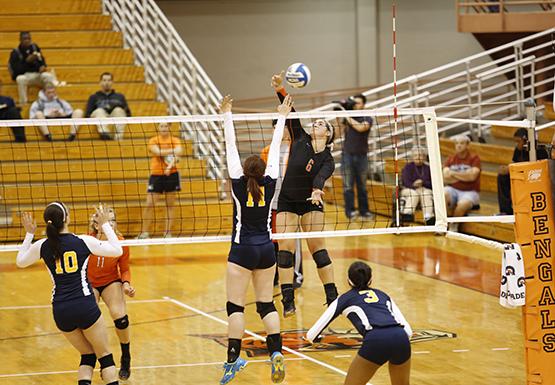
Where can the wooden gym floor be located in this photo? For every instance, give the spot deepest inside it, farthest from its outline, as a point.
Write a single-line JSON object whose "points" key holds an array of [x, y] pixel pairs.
{"points": [[447, 290]]}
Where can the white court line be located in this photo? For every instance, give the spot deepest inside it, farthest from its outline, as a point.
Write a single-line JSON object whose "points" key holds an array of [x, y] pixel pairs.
{"points": [[258, 336], [422, 352], [22, 307], [498, 349], [343, 356], [461, 350], [219, 363]]}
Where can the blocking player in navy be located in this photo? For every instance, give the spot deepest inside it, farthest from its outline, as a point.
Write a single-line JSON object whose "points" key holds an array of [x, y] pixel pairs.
{"points": [[252, 253], [310, 164], [384, 330], [74, 307]]}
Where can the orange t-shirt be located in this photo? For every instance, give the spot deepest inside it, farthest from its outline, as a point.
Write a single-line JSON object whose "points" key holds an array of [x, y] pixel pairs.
{"points": [[157, 163], [105, 270]]}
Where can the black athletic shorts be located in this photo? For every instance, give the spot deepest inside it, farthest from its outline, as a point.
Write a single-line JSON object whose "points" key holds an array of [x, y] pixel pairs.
{"points": [[298, 207], [164, 183], [79, 313], [253, 256], [381, 345], [101, 288]]}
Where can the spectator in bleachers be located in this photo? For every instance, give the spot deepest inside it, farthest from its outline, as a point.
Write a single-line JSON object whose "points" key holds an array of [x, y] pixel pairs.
{"points": [[8, 111], [28, 67], [462, 176], [108, 103], [520, 154], [355, 160], [417, 188], [49, 106], [164, 181]]}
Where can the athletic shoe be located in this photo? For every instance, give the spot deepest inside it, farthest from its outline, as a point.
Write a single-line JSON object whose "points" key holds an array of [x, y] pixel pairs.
{"points": [[144, 235], [368, 216], [231, 368], [278, 367], [289, 308], [124, 370]]}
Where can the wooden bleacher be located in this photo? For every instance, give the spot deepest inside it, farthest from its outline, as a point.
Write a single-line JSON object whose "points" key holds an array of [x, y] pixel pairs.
{"points": [[78, 42]]}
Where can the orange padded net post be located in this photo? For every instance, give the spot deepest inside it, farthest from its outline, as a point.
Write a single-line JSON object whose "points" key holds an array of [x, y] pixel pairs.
{"points": [[532, 195]]}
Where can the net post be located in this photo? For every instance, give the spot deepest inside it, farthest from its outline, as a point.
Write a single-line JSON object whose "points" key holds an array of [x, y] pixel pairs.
{"points": [[436, 171], [530, 106]]}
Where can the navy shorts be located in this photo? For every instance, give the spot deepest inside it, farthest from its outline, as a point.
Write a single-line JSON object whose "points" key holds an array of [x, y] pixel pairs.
{"points": [[79, 313], [164, 183], [381, 345], [298, 207], [253, 256]]}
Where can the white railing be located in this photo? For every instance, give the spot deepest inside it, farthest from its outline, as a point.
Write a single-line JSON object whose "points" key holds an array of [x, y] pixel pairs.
{"points": [[475, 87], [168, 63]]}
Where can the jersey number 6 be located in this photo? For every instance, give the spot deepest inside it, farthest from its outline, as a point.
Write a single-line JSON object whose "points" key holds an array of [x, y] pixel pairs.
{"points": [[261, 202], [70, 263]]}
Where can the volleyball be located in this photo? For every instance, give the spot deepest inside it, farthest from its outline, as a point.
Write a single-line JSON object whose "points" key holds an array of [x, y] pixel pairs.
{"points": [[297, 75]]}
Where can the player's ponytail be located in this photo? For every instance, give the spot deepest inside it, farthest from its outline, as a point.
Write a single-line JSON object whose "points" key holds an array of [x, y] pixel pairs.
{"points": [[55, 216], [254, 170], [360, 275]]}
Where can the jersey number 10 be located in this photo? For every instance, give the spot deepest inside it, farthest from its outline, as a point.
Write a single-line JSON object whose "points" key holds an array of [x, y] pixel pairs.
{"points": [[70, 263], [261, 202]]}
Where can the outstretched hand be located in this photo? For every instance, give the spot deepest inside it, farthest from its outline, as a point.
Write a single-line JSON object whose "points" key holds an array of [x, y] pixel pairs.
{"points": [[277, 81], [317, 197], [101, 215], [28, 222], [225, 105], [285, 107]]}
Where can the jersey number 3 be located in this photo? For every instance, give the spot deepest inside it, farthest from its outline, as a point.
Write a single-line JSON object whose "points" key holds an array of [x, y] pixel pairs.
{"points": [[70, 263], [371, 296], [261, 202]]}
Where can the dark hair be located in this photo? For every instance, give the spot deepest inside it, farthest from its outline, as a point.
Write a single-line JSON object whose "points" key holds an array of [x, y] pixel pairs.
{"points": [[360, 96], [360, 275], [55, 215], [521, 133], [24, 33], [254, 170], [108, 74]]}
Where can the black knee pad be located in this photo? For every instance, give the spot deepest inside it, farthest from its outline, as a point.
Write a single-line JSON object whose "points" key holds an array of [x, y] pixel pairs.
{"points": [[285, 259], [88, 360], [84, 382], [232, 308], [106, 361], [322, 258], [122, 323], [265, 308]]}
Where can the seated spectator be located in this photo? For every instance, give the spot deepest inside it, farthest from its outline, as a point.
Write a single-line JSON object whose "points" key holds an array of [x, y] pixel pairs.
{"points": [[49, 106], [462, 176], [108, 103], [28, 67], [8, 111], [164, 181], [520, 154], [417, 188]]}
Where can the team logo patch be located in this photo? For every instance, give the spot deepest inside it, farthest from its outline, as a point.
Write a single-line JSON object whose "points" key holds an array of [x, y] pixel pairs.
{"points": [[334, 340], [534, 175]]}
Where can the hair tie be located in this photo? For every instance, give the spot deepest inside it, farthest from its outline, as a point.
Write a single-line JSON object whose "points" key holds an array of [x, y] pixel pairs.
{"points": [[49, 221]]}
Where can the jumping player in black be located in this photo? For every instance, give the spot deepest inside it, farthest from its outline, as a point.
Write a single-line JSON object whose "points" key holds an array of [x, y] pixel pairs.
{"points": [[74, 306], [310, 164], [385, 331], [252, 252]]}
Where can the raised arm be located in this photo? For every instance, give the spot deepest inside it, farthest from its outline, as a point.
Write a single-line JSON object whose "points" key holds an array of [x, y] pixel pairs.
{"points": [[232, 154], [272, 165], [293, 125], [28, 254], [111, 248]]}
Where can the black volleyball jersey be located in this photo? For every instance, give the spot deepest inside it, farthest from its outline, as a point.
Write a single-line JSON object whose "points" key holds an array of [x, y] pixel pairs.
{"points": [[366, 309], [69, 273], [306, 170], [251, 220]]}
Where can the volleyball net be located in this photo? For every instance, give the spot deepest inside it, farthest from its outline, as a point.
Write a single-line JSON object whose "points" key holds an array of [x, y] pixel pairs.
{"points": [[87, 171]]}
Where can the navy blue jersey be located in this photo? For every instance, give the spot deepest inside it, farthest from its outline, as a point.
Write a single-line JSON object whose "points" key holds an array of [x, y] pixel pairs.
{"points": [[251, 220], [69, 274], [366, 309]]}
